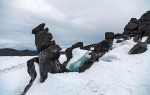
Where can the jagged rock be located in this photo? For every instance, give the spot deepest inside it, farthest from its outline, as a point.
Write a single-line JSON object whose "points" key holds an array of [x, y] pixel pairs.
{"points": [[48, 61], [137, 38], [131, 26], [125, 32], [147, 40], [52, 42], [134, 20], [42, 40], [103, 46], [141, 28], [147, 31], [87, 64], [145, 17], [118, 36], [109, 35], [32, 72], [140, 47], [119, 41], [96, 55], [78, 44], [68, 53], [38, 28], [126, 37], [46, 29], [88, 47]]}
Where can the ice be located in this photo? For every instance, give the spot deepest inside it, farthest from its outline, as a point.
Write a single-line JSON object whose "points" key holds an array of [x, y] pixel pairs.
{"points": [[116, 73], [79, 57]]}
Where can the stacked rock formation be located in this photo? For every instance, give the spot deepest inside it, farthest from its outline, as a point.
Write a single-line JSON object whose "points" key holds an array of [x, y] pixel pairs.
{"points": [[48, 59], [49, 51]]}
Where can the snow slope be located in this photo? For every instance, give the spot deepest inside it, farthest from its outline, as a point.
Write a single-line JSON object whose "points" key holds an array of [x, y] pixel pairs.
{"points": [[116, 73]]}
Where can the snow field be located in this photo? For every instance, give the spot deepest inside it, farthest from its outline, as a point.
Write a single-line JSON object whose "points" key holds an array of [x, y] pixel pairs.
{"points": [[116, 73]]}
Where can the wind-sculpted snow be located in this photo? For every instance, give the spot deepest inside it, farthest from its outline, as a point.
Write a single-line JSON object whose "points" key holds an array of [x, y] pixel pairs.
{"points": [[79, 57], [13, 68]]}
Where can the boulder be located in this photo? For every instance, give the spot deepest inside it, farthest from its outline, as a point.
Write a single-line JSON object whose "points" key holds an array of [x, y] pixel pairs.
{"points": [[88, 47], [68, 53], [48, 62], [137, 38], [118, 34], [103, 46], [52, 42], [43, 40], [87, 64], [118, 37], [109, 35], [96, 55], [140, 47], [125, 32], [78, 44], [38, 28], [145, 17], [46, 29], [119, 41], [126, 36], [134, 20], [147, 31], [32, 72], [141, 29], [147, 40], [131, 26]]}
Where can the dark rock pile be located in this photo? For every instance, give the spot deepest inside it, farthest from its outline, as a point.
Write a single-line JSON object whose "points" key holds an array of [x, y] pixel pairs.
{"points": [[49, 51]]}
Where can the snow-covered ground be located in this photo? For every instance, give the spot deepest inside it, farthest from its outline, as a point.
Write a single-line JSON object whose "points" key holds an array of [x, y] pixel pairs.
{"points": [[116, 73]]}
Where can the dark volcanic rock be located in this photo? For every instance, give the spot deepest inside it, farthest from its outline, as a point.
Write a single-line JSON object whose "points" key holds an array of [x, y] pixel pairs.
{"points": [[52, 42], [140, 47], [46, 29], [145, 17], [137, 38], [96, 55], [88, 63], [68, 53], [109, 35], [147, 31], [32, 73], [88, 47], [48, 61], [38, 28], [141, 29], [119, 41], [78, 44], [131, 26], [147, 40], [103, 46], [134, 20], [42, 40]]}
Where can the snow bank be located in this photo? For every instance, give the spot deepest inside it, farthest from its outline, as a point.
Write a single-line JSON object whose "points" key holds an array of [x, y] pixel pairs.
{"points": [[116, 73], [9, 61]]}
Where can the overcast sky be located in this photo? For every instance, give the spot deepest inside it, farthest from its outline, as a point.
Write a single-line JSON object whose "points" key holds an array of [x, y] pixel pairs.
{"points": [[69, 21]]}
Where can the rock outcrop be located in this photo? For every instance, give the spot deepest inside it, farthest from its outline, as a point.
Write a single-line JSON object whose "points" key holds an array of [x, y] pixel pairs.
{"points": [[49, 51], [140, 47]]}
